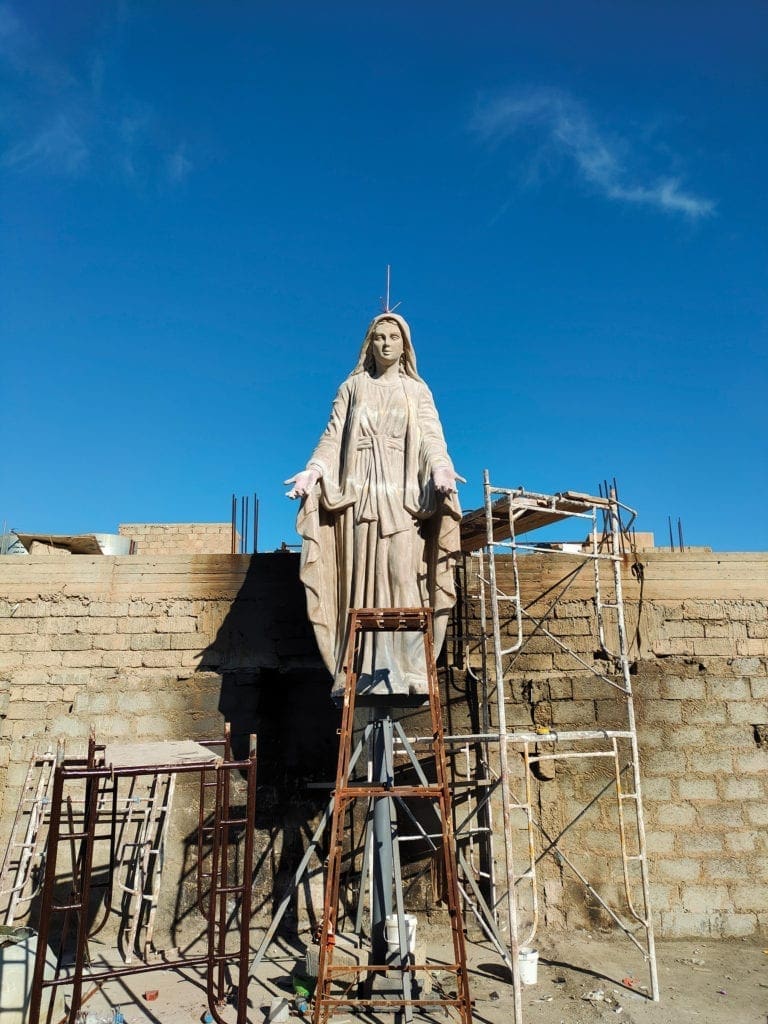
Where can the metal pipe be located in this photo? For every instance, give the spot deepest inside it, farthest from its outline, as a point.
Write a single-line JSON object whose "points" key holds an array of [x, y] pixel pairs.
{"points": [[503, 759], [382, 866], [118, 972], [44, 925], [92, 793], [247, 874], [148, 769], [213, 957], [625, 670], [255, 523]]}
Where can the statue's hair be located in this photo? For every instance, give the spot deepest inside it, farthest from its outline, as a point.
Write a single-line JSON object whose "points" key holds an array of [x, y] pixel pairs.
{"points": [[366, 361]]}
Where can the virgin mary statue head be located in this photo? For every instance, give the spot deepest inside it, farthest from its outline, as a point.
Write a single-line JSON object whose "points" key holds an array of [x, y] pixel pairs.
{"points": [[366, 362]]}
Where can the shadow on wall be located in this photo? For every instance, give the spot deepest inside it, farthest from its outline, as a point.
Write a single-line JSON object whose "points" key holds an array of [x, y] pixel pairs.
{"points": [[274, 685], [273, 681]]}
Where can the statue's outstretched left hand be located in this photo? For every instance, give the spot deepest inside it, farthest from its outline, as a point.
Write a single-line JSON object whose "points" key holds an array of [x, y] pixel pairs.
{"points": [[444, 479]]}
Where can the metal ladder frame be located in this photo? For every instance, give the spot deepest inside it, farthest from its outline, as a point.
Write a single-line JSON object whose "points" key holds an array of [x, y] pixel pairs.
{"points": [[81, 837], [31, 819], [139, 872], [497, 657], [361, 621]]}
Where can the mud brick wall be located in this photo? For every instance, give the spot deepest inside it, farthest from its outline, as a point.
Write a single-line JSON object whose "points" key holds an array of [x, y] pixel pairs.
{"points": [[179, 538], [698, 632], [169, 647]]}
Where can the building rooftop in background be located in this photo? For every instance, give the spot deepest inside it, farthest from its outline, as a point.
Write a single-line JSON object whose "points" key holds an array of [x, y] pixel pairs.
{"points": [[132, 539], [181, 538]]}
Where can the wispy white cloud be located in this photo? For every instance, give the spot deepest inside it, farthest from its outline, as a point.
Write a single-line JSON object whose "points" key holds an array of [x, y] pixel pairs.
{"points": [[58, 147], [60, 121], [561, 126]]}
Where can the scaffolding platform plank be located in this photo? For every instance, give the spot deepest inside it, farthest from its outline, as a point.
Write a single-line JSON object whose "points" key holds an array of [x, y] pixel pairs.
{"points": [[531, 512], [164, 754]]}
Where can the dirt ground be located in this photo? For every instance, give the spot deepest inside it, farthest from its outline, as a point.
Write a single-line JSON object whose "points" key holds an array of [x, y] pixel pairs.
{"points": [[580, 981]]}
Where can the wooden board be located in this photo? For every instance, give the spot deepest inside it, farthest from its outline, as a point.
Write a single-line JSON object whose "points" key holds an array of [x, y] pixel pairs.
{"points": [[530, 512], [167, 752], [77, 544]]}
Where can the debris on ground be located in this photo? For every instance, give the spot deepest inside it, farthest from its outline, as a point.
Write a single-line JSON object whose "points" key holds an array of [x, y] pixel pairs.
{"points": [[691, 961], [599, 997]]}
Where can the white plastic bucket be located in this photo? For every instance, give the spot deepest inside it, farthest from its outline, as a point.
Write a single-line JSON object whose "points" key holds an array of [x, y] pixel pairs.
{"points": [[392, 933], [528, 960]]}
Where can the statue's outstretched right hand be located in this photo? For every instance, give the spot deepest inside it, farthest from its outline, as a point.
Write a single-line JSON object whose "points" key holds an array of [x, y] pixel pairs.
{"points": [[302, 483]]}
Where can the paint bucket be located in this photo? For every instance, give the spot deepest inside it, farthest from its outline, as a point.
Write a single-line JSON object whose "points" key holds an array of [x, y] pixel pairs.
{"points": [[392, 933], [528, 961]]}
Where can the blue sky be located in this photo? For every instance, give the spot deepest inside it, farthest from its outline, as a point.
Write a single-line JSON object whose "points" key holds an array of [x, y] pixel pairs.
{"points": [[199, 201]]}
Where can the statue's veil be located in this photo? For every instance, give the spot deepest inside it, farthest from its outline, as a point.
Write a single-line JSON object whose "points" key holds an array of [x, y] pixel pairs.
{"points": [[408, 359]]}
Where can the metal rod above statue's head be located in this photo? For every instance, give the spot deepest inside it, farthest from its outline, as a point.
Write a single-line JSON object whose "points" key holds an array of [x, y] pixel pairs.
{"points": [[379, 516]]}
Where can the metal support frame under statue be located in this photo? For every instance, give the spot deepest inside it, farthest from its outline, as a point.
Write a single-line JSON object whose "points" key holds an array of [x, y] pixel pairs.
{"points": [[381, 861]]}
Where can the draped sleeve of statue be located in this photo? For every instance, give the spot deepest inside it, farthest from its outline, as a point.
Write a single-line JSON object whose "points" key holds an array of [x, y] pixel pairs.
{"points": [[320, 572], [374, 531]]}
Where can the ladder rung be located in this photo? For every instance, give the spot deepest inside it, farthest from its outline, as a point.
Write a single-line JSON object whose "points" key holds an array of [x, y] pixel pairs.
{"points": [[67, 906], [376, 789], [347, 790], [390, 619]]}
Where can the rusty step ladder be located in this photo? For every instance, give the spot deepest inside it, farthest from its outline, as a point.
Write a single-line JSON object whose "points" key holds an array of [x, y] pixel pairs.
{"points": [[360, 622]]}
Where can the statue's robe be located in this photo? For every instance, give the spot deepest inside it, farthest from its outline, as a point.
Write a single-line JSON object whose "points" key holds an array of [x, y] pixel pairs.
{"points": [[374, 532]]}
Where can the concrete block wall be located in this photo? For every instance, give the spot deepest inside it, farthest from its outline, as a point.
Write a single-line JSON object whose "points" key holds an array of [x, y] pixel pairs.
{"points": [[171, 646], [697, 627], [180, 538]]}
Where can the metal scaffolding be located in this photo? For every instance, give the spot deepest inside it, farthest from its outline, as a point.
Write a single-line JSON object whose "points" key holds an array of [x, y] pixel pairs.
{"points": [[106, 818], [509, 760]]}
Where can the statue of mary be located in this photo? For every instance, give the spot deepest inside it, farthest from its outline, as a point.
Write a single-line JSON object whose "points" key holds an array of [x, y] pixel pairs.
{"points": [[379, 518]]}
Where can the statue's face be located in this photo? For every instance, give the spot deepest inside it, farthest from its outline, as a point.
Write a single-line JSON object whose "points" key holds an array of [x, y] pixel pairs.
{"points": [[386, 343]]}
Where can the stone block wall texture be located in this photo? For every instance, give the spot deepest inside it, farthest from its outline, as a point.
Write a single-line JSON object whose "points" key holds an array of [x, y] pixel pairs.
{"points": [[179, 538], [170, 647], [166, 647], [699, 671]]}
